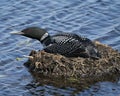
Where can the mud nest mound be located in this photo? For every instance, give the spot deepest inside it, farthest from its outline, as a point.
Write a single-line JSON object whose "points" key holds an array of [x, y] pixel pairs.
{"points": [[58, 65]]}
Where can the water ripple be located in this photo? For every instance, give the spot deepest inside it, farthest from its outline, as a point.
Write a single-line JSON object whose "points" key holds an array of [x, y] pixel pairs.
{"points": [[95, 19]]}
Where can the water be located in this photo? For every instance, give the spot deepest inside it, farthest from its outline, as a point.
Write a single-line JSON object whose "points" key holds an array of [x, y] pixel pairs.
{"points": [[95, 19]]}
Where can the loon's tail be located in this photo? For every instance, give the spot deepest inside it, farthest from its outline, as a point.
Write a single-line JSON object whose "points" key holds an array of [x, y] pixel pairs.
{"points": [[93, 52]]}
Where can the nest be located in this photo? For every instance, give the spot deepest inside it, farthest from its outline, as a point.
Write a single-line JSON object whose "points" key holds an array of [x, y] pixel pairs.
{"points": [[58, 65]]}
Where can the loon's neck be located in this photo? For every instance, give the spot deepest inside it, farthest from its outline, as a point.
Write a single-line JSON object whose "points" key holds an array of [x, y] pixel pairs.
{"points": [[46, 41]]}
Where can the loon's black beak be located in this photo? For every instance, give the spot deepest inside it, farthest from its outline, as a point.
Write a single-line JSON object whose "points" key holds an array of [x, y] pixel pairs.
{"points": [[16, 33]]}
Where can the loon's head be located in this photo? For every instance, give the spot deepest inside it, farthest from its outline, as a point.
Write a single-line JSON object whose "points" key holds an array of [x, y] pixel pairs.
{"points": [[34, 33]]}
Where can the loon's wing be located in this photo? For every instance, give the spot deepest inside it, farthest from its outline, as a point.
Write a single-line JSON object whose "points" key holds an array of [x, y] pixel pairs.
{"points": [[69, 49], [86, 44], [72, 45]]}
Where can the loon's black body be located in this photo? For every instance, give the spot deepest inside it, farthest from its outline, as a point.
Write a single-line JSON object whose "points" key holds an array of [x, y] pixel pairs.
{"points": [[67, 44]]}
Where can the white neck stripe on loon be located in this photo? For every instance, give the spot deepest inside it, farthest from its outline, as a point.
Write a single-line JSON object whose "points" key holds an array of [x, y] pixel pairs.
{"points": [[44, 36]]}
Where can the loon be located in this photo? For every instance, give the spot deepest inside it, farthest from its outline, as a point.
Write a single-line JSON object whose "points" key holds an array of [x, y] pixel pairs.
{"points": [[67, 44]]}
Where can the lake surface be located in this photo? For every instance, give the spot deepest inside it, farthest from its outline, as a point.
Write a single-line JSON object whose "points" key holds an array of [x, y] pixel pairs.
{"points": [[95, 19]]}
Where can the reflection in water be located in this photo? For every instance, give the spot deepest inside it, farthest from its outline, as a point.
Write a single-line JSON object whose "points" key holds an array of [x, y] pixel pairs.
{"points": [[95, 19], [42, 85]]}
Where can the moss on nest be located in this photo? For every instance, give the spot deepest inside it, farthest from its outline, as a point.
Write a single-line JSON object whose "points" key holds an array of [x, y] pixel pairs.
{"points": [[58, 65]]}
